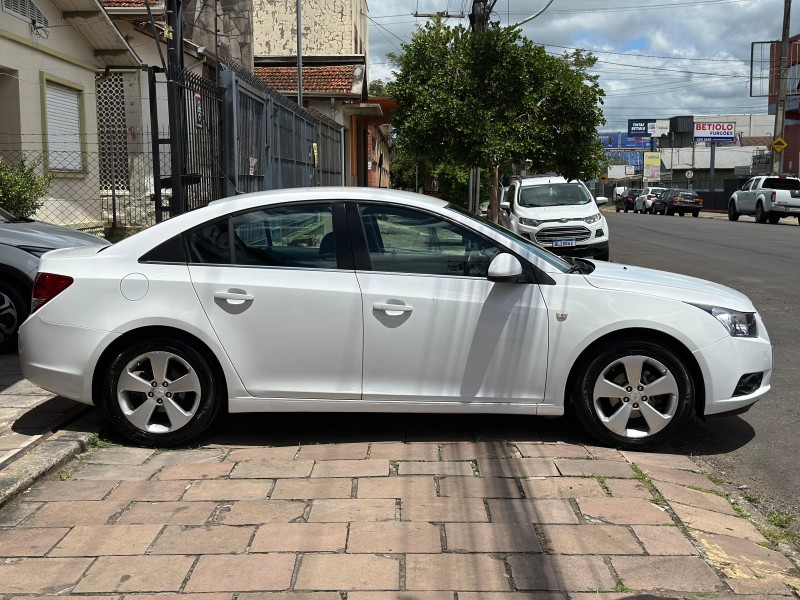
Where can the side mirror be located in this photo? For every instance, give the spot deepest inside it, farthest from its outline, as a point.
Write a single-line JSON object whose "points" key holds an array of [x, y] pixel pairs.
{"points": [[601, 200], [505, 205], [505, 268]]}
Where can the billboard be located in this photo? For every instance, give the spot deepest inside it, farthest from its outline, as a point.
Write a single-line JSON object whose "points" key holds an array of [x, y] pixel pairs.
{"points": [[640, 127], [715, 132], [652, 166]]}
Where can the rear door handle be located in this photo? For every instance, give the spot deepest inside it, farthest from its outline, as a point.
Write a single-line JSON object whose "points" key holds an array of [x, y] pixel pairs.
{"points": [[392, 307], [240, 296]]}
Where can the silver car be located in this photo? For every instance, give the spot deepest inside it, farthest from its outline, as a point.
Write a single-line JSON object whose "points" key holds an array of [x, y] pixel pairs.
{"points": [[22, 242]]}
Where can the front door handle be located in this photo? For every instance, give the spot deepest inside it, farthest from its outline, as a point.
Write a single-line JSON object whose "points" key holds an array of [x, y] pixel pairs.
{"points": [[392, 307], [240, 296]]}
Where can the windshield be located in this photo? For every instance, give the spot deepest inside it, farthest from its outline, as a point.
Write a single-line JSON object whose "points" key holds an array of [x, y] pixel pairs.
{"points": [[553, 194], [556, 261]]}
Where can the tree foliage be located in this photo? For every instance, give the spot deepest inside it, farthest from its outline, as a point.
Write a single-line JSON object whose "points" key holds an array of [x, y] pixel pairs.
{"points": [[492, 97], [21, 187]]}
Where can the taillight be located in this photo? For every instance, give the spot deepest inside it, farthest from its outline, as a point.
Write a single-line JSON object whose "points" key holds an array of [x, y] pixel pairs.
{"points": [[650, 196], [773, 196], [46, 287]]}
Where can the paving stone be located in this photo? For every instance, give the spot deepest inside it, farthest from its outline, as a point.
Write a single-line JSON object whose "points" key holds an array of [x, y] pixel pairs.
{"points": [[401, 451], [603, 453], [759, 588], [287, 596], [678, 573], [539, 450], [71, 597], [227, 489], [479, 487], [726, 551], [100, 540], [470, 451], [628, 488], [334, 452], [203, 470], [393, 537], [624, 511], [399, 596], [81, 512], [135, 574], [576, 467], [254, 512], [370, 467], [301, 489], [455, 572], [272, 469], [115, 472], [168, 513], [342, 511], [348, 572], [664, 540], [148, 491], [265, 453], [683, 495], [657, 459], [300, 537], [12, 440], [517, 467], [492, 537], [549, 510], [407, 487], [41, 575], [71, 489], [681, 477], [563, 487], [444, 509], [245, 573], [186, 457], [217, 539], [714, 522], [525, 596], [590, 539], [120, 456], [207, 596], [571, 573], [29, 541], [15, 513], [435, 468]]}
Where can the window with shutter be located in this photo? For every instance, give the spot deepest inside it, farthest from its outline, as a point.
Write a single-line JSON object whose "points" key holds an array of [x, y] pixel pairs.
{"points": [[63, 114], [27, 11]]}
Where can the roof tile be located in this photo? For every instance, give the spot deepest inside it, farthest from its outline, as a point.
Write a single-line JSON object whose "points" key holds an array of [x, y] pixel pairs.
{"points": [[321, 80]]}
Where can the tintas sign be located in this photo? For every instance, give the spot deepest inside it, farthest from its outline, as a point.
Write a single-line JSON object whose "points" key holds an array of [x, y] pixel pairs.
{"points": [[715, 132]]}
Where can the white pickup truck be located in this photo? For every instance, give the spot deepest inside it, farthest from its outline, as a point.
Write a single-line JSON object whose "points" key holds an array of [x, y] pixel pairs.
{"points": [[768, 198]]}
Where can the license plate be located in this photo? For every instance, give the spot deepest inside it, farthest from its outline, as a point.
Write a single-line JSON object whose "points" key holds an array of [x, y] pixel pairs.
{"points": [[563, 243]]}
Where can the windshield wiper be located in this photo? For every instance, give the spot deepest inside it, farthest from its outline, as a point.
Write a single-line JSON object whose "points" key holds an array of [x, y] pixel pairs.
{"points": [[579, 265]]}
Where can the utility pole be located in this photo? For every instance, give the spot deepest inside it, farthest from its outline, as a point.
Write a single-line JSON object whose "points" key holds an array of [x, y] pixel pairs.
{"points": [[174, 35], [783, 72], [299, 53]]}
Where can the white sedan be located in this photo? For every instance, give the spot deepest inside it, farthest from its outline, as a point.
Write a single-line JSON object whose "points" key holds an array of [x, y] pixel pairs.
{"points": [[644, 202], [347, 299]]}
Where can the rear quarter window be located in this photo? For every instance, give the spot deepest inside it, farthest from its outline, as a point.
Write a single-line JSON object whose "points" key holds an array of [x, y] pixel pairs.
{"points": [[776, 183]]}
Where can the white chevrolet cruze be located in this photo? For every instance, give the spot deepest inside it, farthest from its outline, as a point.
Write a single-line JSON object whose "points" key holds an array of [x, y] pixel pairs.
{"points": [[347, 299]]}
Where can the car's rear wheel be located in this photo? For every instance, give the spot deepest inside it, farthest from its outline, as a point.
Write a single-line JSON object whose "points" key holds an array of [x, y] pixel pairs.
{"points": [[733, 214], [761, 216], [634, 394], [160, 392], [670, 211], [13, 311], [773, 217], [696, 213]]}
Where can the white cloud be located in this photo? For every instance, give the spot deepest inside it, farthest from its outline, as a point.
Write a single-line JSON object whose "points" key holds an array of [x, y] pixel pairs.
{"points": [[657, 58]]}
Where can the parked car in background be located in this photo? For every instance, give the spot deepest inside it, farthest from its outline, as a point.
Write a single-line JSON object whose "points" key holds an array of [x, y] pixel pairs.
{"points": [[767, 198], [626, 200], [560, 215], [365, 299], [680, 202], [22, 242], [644, 201]]}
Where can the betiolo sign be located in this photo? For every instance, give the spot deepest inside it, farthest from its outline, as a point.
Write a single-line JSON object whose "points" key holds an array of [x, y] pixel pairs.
{"points": [[715, 132]]}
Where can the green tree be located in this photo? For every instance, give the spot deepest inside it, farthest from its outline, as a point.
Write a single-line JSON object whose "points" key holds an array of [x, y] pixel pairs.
{"points": [[493, 98], [21, 187], [377, 87]]}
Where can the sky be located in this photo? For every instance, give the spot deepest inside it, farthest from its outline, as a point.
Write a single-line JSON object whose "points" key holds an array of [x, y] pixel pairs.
{"points": [[656, 58]]}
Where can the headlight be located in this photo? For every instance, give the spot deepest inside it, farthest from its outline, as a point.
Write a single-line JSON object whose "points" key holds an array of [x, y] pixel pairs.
{"points": [[593, 219], [529, 222], [37, 251], [738, 324]]}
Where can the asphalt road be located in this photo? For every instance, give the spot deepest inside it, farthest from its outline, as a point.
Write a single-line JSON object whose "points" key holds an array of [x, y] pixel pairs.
{"points": [[761, 448]]}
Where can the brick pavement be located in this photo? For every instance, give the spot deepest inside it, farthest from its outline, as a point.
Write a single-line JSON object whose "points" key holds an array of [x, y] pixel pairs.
{"points": [[376, 520]]}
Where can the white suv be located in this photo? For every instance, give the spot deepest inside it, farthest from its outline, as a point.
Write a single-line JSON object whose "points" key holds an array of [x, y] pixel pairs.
{"points": [[558, 214]]}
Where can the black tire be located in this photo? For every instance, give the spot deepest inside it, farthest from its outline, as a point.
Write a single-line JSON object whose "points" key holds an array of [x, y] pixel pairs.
{"points": [[695, 213], [626, 210], [670, 212], [733, 214], [680, 213], [773, 217], [761, 216], [157, 427], [618, 209], [14, 309], [606, 372]]}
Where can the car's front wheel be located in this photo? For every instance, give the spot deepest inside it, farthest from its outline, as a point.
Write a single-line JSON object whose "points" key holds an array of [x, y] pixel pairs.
{"points": [[634, 394], [13, 311], [733, 214], [160, 392]]}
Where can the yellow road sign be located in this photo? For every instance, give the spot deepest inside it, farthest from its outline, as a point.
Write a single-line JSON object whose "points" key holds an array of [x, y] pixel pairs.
{"points": [[603, 178], [779, 144]]}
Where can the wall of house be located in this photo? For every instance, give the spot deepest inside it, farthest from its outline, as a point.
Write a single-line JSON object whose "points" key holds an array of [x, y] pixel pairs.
{"points": [[378, 164], [329, 27], [227, 22]]}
